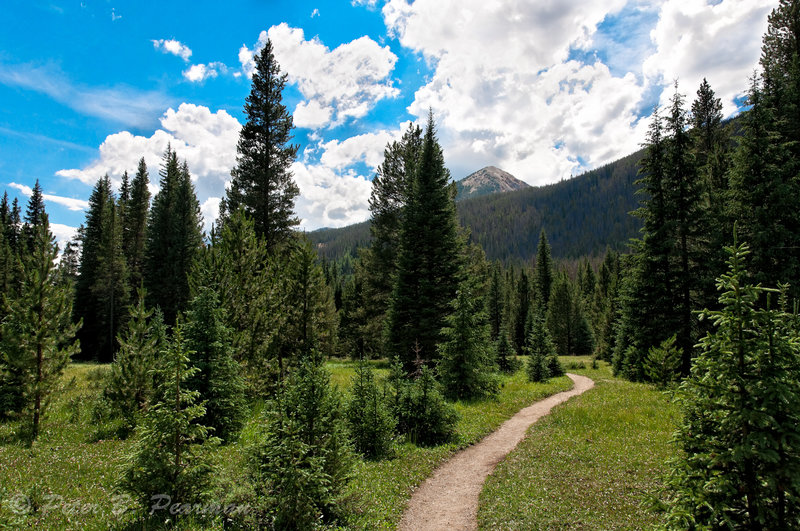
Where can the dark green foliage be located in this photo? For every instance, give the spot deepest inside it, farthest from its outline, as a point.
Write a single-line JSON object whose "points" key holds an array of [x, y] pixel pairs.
{"points": [[662, 364], [249, 283], [429, 259], [311, 319], [134, 230], [101, 290], [566, 320], [543, 279], [218, 378], [173, 239], [522, 307], [369, 418], [555, 367], [540, 350], [171, 452], [739, 466], [495, 303], [466, 359], [262, 179], [302, 460], [131, 386], [391, 189], [37, 335], [422, 413], [33, 216], [507, 361]]}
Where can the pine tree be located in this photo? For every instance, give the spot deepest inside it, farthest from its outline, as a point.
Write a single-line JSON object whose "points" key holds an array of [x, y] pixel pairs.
{"points": [[466, 360], [310, 314], [495, 303], [540, 350], [131, 385], [171, 453], [523, 309], [543, 279], [369, 419], [134, 231], [101, 291], [33, 215], [218, 379], [262, 180], [738, 465], [301, 464], [252, 293], [429, 260], [37, 333], [174, 238]]}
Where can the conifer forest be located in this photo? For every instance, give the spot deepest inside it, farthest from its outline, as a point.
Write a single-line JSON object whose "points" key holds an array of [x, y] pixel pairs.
{"points": [[254, 376]]}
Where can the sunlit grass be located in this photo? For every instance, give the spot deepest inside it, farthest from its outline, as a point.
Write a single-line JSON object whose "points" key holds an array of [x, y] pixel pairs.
{"points": [[589, 465]]}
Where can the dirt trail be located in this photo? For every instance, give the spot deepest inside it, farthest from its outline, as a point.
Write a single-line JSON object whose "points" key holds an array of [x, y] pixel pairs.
{"points": [[448, 500]]}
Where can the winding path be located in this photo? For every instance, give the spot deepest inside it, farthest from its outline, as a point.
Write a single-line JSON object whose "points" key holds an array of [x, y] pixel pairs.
{"points": [[448, 500]]}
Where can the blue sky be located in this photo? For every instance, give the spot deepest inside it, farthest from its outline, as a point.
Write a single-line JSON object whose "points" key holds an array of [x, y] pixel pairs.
{"points": [[544, 90]]}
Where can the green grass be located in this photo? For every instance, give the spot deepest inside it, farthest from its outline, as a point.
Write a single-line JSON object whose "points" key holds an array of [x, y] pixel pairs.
{"points": [[381, 489], [74, 465], [589, 465]]}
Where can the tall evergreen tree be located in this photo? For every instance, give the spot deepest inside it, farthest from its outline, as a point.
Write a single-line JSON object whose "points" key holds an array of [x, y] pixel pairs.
{"points": [[101, 292], [738, 465], [495, 303], [388, 198], [174, 238], [543, 279], [33, 215], [262, 179], [218, 379], [38, 337], [466, 359], [523, 308], [428, 263], [134, 231]]}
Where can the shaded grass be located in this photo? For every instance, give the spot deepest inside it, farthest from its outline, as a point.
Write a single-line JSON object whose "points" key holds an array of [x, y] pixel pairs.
{"points": [[590, 464]]}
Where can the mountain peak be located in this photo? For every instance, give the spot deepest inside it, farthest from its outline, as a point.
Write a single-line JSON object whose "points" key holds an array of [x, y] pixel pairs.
{"points": [[488, 180]]}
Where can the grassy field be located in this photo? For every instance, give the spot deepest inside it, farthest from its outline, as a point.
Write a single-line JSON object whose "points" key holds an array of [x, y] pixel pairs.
{"points": [[589, 465], [66, 480]]}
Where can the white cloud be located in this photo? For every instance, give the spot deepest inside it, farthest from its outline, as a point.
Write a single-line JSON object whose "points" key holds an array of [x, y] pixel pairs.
{"points": [[70, 202], [719, 41], [63, 234], [366, 3], [206, 140], [504, 91], [507, 88], [174, 47], [339, 84], [200, 72], [120, 104], [315, 13], [332, 191]]}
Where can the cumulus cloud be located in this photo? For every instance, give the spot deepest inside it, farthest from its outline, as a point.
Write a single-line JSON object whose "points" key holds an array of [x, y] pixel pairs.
{"points": [[717, 40], [505, 92], [70, 202], [173, 47], [200, 72], [521, 85], [63, 234], [333, 177], [337, 84], [206, 140]]}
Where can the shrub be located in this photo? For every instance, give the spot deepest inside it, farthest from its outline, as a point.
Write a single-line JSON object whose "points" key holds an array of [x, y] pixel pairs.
{"points": [[369, 419], [421, 411]]}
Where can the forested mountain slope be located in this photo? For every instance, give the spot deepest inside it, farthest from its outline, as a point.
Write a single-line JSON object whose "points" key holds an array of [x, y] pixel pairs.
{"points": [[582, 216]]}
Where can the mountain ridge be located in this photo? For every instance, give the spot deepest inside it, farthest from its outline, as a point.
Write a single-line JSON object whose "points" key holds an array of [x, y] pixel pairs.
{"points": [[488, 180]]}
